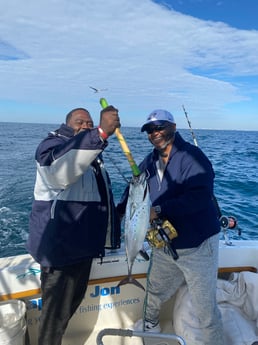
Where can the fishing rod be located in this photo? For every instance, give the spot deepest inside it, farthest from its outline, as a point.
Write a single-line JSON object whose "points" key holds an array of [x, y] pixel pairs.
{"points": [[190, 127], [136, 171], [225, 222]]}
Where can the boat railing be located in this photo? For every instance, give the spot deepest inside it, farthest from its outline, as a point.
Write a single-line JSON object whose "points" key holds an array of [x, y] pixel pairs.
{"points": [[131, 333]]}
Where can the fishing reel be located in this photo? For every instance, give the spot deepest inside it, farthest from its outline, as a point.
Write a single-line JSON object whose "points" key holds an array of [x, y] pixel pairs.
{"points": [[161, 234], [228, 222]]}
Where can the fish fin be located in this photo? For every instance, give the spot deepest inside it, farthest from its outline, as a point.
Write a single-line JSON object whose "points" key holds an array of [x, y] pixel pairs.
{"points": [[130, 280]]}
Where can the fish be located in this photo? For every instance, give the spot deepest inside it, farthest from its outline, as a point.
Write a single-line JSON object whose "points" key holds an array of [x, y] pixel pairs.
{"points": [[137, 218]]}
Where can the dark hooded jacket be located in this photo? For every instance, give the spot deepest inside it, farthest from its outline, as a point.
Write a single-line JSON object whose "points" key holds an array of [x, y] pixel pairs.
{"points": [[73, 215]]}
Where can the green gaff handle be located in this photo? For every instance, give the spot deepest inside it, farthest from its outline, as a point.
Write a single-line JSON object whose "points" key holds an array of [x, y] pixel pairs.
{"points": [[136, 171]]}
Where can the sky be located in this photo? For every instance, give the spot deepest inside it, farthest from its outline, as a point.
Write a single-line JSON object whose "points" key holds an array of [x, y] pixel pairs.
{"points": [[140, 55]]}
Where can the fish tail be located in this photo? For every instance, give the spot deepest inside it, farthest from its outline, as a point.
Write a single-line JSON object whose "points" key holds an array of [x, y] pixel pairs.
{"points": [[130, 280]]}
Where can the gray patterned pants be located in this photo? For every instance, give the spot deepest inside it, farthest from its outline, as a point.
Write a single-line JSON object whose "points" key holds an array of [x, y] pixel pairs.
{"points": [[197, 267]]}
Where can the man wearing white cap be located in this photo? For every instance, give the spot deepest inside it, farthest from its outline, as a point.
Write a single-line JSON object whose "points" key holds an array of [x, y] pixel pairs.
{"points": [[180, 179]]}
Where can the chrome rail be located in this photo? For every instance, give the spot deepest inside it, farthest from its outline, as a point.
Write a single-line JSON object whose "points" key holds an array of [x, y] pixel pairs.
{"points": [[130, 333]]}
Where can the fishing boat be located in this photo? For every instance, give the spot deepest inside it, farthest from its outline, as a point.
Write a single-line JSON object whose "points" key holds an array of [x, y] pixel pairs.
{"points": [[109, 310]]}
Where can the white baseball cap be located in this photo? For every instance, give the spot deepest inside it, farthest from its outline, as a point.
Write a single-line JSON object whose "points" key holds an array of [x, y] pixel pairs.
{"points": [[158, 117]]}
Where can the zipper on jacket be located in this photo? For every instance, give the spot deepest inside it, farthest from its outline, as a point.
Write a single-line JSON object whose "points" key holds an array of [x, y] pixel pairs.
{"points": [[157, 174], [53, 206]]}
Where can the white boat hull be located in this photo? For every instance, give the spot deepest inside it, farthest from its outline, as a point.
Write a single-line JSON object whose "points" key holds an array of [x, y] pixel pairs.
{"points": [[105, 305]]}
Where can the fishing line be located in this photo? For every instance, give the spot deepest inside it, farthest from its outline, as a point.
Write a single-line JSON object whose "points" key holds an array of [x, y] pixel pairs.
{"points": [[127, 180]]}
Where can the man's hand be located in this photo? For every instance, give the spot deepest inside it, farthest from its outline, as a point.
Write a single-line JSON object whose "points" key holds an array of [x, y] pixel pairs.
{"points": [[109, 120], [153, 214]]}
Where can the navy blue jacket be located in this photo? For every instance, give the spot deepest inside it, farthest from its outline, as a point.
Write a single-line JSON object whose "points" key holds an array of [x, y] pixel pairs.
{"points": [[73, 215], [185, 193]]}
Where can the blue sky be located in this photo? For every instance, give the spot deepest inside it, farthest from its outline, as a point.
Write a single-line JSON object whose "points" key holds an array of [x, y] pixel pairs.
{"points": [[145, 55]]}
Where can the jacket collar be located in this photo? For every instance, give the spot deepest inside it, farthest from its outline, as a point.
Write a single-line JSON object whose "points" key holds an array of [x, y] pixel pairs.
{"points": [[65, 131]]}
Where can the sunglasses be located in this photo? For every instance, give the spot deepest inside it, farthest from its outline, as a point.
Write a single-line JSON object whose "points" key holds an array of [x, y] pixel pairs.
{"points": [[160, 128]]}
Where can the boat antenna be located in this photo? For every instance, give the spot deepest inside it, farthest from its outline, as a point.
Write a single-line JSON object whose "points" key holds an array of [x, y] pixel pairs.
{"points": [[190, 127]]}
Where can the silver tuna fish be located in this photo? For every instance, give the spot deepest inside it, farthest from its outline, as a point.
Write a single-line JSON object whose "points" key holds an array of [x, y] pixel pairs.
{"points": [[137, 216]]}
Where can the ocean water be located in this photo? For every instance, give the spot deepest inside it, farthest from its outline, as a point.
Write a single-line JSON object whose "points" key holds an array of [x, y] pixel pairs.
{"points": [[234, 155]]}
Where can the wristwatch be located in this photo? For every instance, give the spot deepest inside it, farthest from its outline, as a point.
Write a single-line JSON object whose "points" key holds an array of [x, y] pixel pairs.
{"points": [[157, 209]]}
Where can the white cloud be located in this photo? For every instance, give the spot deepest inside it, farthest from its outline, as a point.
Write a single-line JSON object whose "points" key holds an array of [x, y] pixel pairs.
{"points": [[145, 55]]}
